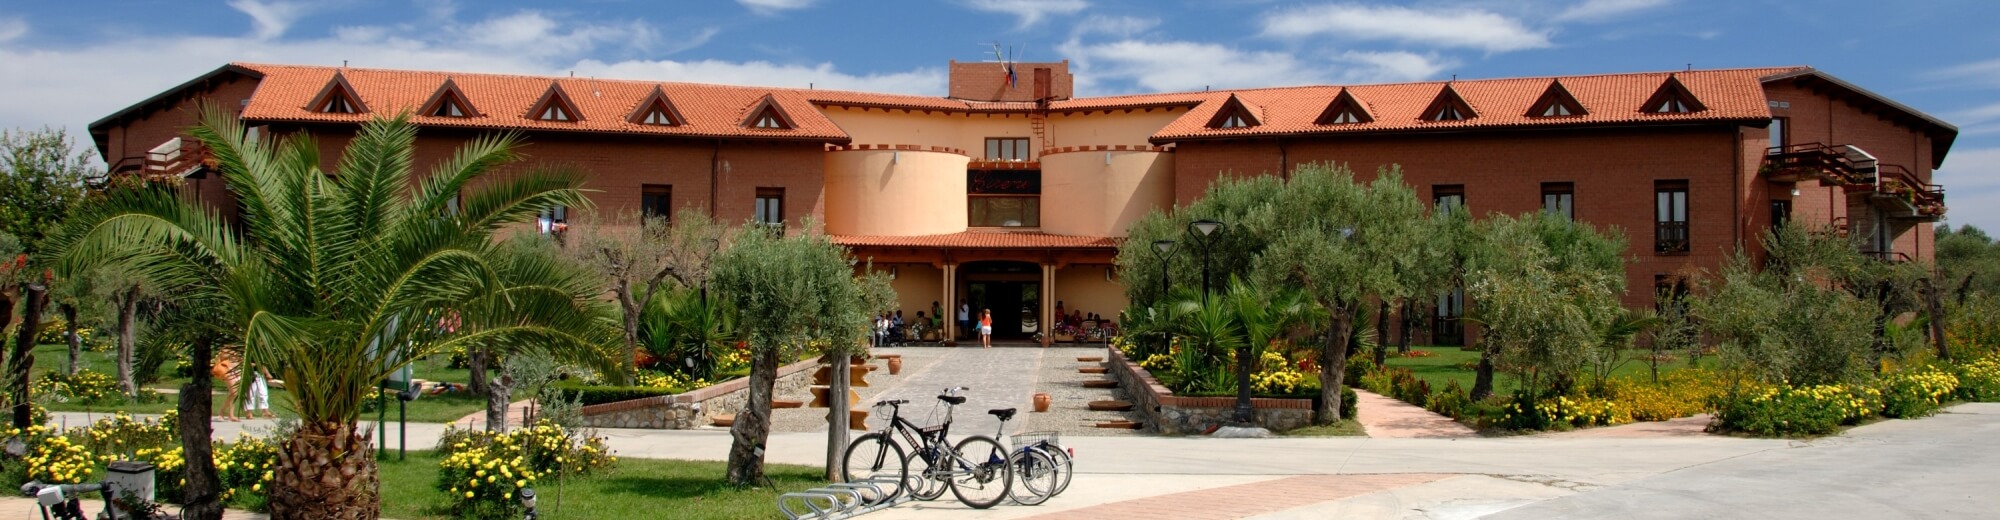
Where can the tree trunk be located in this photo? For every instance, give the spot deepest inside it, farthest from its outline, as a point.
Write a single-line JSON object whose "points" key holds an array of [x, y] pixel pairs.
{"points": [[33, 297], [836, 425], [1964, 288], [1482, 382], [1881, 322], [633, 308], [326, 471], [497, 393], [1934, 305], [1332, 370], [69, 335], [201, 493], [1406, 327], [1382, 334], [128, 325], [753, 425], [475, 367]]}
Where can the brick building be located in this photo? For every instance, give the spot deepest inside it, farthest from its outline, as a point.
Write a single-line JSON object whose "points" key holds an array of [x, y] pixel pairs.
{"points": [[1012, 194]]}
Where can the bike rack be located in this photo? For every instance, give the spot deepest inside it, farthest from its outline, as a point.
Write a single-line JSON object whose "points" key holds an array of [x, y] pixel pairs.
{"points": [[837, 501]]}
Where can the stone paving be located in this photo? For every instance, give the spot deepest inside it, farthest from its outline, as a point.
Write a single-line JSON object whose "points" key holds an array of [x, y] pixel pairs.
{"points": [[1068, 399], [1386, 417]]}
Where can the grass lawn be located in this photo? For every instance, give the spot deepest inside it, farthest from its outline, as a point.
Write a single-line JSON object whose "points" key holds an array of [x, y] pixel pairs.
{"points": [[636, 488], [55, 358], [430, 408], [1455, 364]]}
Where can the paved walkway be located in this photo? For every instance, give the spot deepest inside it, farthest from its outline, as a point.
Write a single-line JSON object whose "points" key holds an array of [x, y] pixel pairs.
{"points": [[999, 377], [1387, 417]]}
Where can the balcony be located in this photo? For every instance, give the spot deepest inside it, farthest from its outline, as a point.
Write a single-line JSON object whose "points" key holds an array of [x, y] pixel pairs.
{"points": [[176, 158], [1835, 165], [1670, 237], [1900, 194]]}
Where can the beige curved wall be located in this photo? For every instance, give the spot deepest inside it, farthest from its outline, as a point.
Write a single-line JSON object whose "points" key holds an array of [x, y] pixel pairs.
{"points": [[1081, 195], [873, 192]]}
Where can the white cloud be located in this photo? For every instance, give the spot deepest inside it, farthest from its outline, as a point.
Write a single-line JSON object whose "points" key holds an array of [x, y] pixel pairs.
{"points": [[1153, 66], [100, 78], [1977, 114], [771, 7], [1116, 26], [1029, 11], [1971, 178], [1983, 73], [929, 81], [12, 28], [1437, 27], [1392, 66], [271, 19], [1602, 10]]}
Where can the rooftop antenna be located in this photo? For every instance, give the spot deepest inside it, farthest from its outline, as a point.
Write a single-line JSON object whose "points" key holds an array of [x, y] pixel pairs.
{"points": [[343, 64], [1690, 67], [1454, 77]]}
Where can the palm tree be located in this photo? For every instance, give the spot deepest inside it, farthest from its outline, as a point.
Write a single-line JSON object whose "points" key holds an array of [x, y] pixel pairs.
{"points": [[333, 280]]}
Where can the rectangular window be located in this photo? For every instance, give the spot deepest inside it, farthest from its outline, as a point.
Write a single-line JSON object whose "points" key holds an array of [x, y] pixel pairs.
{"points": [[1447, 197], [1004, 198], [1778, 137], [1781, 213], [1559, 198], [1013, 149], [771, 207], [1670, 209], [656, 200]]}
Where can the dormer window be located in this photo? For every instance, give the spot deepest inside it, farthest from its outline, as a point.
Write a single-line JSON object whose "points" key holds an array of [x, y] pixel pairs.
{"points": [[555, 106], [1673, 98], [337, 97], [1449, 107], [448, 101], [656, 110], [1234, 114], [765, 115], [1557, 102], [1344, 110]]}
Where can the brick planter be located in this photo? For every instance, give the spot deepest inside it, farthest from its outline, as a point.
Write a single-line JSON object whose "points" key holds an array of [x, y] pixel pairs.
{"points": [[693, 409], [1170, 414]]}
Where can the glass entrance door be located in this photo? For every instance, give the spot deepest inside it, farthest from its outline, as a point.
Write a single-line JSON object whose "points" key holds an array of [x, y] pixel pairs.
{"points": [[1016, 306]]}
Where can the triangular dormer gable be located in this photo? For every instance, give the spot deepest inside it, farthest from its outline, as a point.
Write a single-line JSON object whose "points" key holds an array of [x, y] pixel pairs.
{"points": [[1344, 109], [555, 106], [766, 115], [656, 110], [448, 101], [1557, 102], [1672, 98], [337, 97], [1234, 114], [1448, 106]]}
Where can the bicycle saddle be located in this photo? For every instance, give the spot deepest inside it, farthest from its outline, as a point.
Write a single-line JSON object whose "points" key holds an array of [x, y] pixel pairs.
{"points": [[953, 399], [1005, 414]]}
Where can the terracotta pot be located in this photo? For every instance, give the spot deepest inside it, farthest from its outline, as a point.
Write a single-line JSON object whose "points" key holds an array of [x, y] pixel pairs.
{"points": [[895, 365], [1041, 402]]}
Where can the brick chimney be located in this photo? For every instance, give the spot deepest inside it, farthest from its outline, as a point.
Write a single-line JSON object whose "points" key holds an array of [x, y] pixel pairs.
{"points": [[987, 81]]}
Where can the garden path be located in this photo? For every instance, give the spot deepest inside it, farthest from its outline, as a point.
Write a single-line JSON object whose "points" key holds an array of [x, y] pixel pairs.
{"points": [[1386, 417]]}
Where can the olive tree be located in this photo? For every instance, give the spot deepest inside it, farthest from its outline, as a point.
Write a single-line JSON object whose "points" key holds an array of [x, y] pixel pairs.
{"points": [[639, 255], [791, 294], [1547, 290], [42, 178]]}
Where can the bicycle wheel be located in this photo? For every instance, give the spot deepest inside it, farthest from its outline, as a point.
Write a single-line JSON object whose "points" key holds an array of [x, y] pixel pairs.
{"points": [[980, 473], [1035, 476], [1065, 465], [923, 484], [874, 458]]}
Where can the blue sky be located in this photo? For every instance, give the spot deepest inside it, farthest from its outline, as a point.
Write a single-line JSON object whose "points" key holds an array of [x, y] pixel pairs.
{"points": [[65, 64]]}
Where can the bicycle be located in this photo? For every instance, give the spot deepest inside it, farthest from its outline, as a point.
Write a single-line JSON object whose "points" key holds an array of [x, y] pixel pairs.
{"points": [[1033, 464], [64, 501], [976, 469]]}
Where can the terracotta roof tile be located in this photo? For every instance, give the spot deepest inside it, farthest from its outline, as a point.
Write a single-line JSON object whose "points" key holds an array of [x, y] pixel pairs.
{"points": [[1732, 94], [503, 102], [981, 240]]}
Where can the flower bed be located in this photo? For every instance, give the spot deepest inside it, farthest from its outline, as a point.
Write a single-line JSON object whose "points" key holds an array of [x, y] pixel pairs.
{"points": [[666, 409], [1172, 414]]}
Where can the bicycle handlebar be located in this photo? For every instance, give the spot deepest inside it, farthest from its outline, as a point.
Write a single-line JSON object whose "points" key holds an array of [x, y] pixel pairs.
{"points": [[894, 402]]}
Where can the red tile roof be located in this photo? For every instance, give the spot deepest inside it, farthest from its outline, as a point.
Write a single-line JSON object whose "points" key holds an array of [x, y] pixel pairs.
{"points": [[981, 240], [1731, 94], [503, 101]]}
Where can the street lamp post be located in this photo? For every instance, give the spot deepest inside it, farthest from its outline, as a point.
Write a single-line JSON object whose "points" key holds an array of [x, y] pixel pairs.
{"points": [[1163, 249], [1203, 230]]}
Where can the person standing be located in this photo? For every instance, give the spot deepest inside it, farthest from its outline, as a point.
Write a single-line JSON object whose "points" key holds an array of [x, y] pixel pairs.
{"points": [[986, 328], [964, 319], [229, 371], [259, 397]]}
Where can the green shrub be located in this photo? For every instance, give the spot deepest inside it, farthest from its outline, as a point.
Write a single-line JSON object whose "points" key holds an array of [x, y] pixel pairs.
{"points": [[1979, 380], [120, 437], [86, 387], [482, 471], [594, 394], [1916, 392], [1785, 410], [244, 467], [1347, 404], [1451, 402]]}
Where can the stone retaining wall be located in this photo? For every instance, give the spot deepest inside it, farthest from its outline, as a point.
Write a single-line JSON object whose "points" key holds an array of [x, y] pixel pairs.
{"points": [[694, 409], [1169, 414]]}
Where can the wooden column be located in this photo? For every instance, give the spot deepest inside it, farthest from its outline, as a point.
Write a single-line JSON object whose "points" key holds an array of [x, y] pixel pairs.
{"points": [[950, 304]]}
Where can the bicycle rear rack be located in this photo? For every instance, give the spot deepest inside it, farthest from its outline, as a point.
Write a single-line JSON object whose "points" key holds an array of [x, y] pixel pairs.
{"points": [[836, 501]]}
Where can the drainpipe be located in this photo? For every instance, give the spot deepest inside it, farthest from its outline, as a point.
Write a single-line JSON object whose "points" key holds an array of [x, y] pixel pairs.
{"points": [[714, 175]]}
